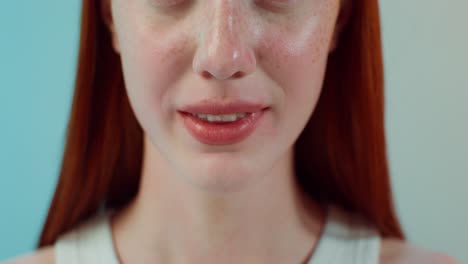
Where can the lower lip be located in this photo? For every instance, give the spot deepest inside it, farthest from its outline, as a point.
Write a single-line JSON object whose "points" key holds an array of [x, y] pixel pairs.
{"points": [[219, 133]]}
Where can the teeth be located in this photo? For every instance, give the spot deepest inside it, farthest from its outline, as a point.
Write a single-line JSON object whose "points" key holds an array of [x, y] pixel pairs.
{"points": [[221, 118]]}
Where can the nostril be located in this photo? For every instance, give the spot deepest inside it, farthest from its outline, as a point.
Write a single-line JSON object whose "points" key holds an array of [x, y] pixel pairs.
{"points": [[206, 74], [238, 74]]}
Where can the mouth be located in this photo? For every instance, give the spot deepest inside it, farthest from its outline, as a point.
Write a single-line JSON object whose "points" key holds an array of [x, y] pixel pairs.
{"points": [[221, 129]]}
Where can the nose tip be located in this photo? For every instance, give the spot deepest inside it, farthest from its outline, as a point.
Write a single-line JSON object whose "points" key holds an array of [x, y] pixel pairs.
{"points": [[224, 52], [224, 63]]}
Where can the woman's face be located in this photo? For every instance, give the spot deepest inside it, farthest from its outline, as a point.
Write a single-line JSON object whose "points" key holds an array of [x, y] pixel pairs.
{"points": [[180, 52]]}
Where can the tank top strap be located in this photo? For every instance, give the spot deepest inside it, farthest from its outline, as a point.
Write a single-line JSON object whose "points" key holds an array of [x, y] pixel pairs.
{"points": [[90, 243], [346, 238]]}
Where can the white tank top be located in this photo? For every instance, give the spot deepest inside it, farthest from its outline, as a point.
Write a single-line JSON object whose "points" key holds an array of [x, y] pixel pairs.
{"points": [[345, 239]]}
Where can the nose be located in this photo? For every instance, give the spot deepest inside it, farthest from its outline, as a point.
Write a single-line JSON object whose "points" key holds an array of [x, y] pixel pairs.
{"points": [[224, 51]]}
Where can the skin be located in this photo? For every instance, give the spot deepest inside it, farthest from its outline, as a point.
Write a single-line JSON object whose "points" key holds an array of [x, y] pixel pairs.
{"points": [[223, 204]]}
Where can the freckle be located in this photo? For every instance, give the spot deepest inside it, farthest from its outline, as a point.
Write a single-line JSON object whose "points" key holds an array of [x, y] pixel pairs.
{"points": [[260, 57]]}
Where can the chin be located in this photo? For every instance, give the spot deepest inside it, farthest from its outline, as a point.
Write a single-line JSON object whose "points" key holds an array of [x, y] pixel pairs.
{"points": [[222, 176]]}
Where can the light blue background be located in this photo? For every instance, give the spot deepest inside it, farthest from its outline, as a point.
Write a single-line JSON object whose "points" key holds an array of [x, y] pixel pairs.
{"points": [[38, 51], [425, 48]]}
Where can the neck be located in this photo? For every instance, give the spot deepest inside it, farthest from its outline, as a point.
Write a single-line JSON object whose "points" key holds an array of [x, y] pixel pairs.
{"points": [[271, 221]]}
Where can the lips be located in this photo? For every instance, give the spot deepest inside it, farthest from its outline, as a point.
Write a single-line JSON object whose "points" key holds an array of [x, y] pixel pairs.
{"points": [[222, 133]]}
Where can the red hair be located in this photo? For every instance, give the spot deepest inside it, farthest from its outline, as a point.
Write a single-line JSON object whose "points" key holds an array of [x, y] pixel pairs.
{"points": [[340, 157]]}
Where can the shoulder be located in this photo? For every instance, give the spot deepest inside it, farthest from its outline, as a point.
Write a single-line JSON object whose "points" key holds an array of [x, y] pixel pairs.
{"points": [[41, 256], [395, 251], [87, 229]]}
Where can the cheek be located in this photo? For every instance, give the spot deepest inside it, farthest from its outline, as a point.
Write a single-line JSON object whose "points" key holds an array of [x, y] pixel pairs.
{"points": [[152, 66], [297, 62]]}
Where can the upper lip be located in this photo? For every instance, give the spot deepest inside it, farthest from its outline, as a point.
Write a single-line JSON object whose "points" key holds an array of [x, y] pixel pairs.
{"points": [[221, 107]]}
